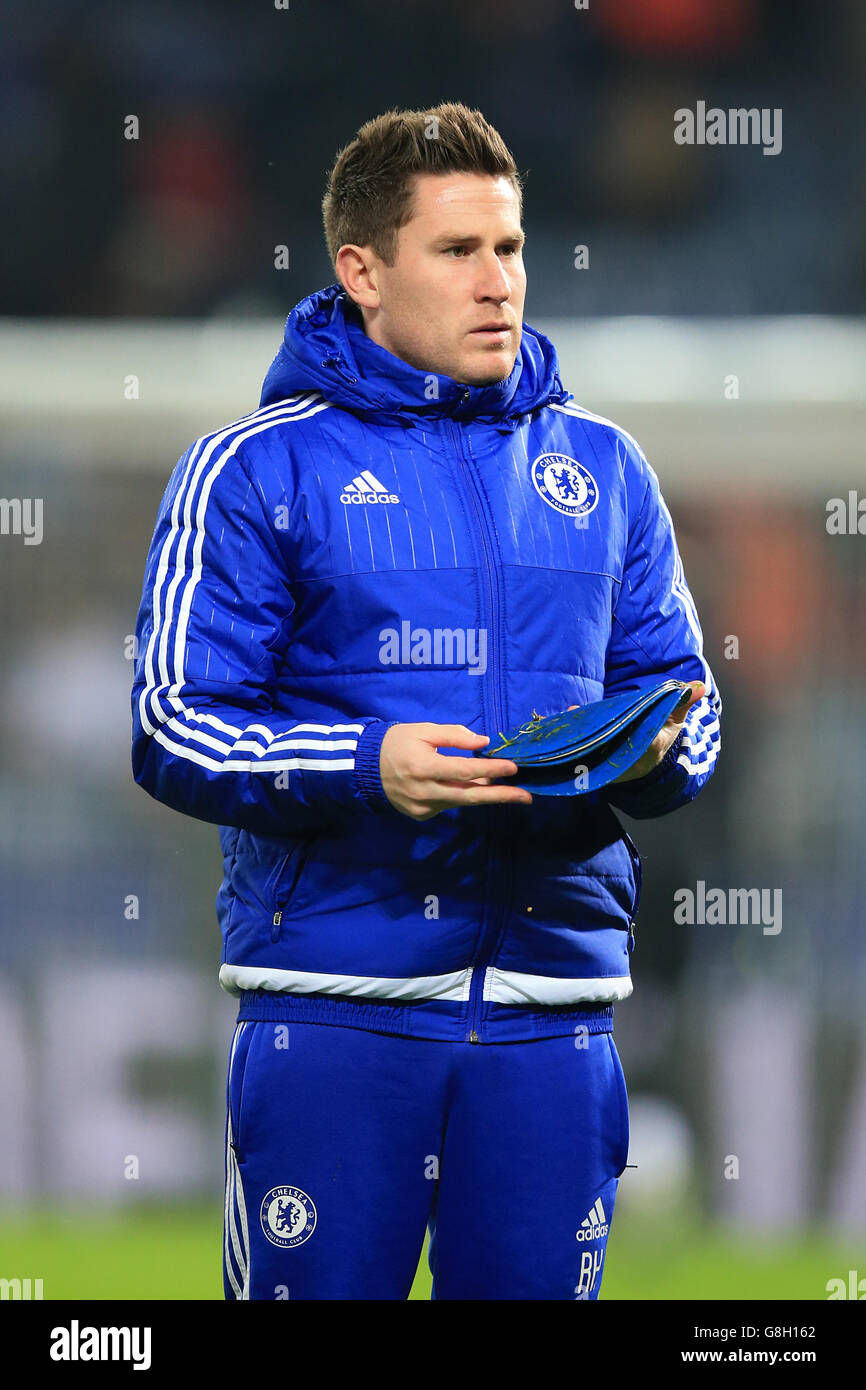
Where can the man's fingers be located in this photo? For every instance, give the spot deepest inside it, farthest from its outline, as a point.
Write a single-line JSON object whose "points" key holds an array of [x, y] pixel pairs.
{"points": [[450, 736], [460, 770], [420, 782], [695, 691], [473, 794]]}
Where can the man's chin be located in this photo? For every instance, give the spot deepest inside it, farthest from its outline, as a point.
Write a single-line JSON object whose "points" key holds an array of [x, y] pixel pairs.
{"points": [[488, 373]]}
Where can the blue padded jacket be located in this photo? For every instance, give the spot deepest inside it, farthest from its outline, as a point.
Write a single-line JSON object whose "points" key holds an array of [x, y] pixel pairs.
{"points": [[376, 545]]}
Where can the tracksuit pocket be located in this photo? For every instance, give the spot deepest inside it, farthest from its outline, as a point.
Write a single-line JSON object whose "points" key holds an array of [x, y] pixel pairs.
{"points": [[237, 1072], [287, 880], [624, 1124]]}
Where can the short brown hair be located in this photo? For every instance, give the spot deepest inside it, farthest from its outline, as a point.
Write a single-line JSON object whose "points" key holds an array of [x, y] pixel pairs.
{"points": [[370, 189]]}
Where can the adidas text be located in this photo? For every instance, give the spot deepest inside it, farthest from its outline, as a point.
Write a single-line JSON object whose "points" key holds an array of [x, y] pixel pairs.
{"points": [[591, 1232], [366, 497]]}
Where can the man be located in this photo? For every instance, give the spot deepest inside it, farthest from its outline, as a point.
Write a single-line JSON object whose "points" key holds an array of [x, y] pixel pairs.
{"points": [[415, 542]]}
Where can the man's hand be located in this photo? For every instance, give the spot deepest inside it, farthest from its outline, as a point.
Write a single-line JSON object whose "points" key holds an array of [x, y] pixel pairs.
{"points": [[420, 782], [665, 737]]}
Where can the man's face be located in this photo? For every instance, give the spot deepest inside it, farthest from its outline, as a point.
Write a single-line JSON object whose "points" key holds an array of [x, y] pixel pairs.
{"points": [[457, 276]]}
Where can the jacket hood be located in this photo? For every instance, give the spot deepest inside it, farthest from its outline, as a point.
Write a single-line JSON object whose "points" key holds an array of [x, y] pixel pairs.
{"points": [[325, 349]]}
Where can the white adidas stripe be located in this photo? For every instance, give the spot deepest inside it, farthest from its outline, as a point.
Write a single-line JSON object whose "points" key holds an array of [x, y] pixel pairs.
{"points": [[196, 571], [580, 413], [703, 745], [259, 421], [260, 764], [681, 589], [704, 742], [704, 753], [229, 1231], [200, 455], [263, 756], [233, 1233], [693, 768], [245, 1234], [701, 739], [235, 1241], [151, 692], [240, 1239]]}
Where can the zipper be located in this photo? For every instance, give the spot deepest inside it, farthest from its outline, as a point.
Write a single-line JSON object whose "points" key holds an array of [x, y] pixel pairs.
{"points": [[491, 928], [638, 873], [301, 854]]}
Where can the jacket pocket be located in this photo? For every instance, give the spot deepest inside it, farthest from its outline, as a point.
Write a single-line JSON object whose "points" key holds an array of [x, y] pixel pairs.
{"points": [[638, 884], [288, 878]]}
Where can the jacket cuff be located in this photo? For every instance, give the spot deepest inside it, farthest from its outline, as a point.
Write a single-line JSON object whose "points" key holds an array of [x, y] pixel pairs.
{"points": [[368, 778], [650, 794], [660, 772]]}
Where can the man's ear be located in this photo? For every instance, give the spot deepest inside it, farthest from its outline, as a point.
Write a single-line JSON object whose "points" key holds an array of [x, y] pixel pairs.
{"points": [[357, 271]]}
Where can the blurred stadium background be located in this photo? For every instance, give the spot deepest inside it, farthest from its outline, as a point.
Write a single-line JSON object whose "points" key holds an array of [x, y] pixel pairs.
{"points": [[720, 319]]}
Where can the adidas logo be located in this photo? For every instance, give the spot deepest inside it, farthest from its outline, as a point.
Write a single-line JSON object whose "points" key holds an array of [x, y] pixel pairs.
{"points": [[364, 489], [595, 1225]]}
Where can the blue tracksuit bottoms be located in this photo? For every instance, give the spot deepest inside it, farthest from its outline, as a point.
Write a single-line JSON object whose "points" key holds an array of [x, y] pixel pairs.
{"points": [[344, 1145]]}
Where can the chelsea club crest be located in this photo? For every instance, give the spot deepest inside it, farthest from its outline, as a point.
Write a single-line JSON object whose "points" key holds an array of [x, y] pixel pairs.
{"points": [[564, 484], [288, 1216]]}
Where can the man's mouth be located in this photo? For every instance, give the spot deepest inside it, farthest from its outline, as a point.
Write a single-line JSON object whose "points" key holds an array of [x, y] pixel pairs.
{"points": [[492, 330]]}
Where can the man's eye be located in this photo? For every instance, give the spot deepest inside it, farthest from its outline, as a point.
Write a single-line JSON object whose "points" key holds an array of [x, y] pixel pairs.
{"points": [[461, 251]]}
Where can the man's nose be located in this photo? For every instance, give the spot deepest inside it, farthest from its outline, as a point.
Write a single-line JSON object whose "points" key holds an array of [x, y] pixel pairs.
{"points": [[492, 283]]}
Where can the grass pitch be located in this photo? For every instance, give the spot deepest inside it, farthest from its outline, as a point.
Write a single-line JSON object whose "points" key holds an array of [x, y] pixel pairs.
{"points": [[175, 1253]]}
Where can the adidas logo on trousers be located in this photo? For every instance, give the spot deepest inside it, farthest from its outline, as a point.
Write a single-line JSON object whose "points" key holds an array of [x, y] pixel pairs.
{"points": [[594, 1226]]}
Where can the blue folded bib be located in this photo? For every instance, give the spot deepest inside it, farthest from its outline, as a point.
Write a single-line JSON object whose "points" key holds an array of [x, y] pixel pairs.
{"points": [[580, 750]]}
